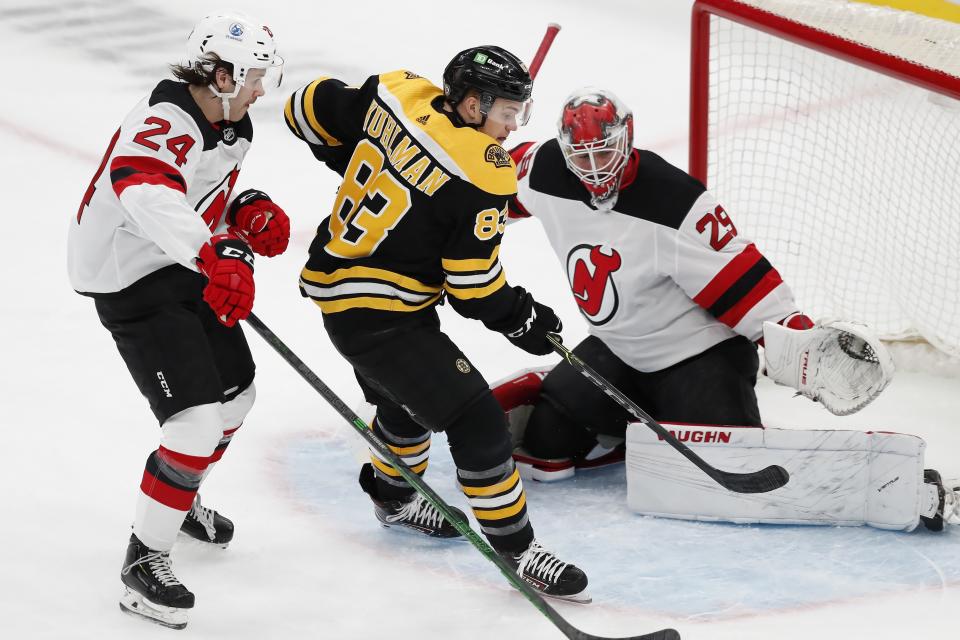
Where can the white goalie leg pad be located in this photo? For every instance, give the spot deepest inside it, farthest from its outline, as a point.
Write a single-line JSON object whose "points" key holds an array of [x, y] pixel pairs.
{"points": [[845, 478], [842, 365]]}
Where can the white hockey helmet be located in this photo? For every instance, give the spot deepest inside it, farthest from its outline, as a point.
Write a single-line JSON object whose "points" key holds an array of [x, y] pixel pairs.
{"points": [[242, 41], [595, 131]]}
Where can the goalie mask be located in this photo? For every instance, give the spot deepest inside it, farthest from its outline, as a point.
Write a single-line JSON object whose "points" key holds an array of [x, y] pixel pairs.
{"points": [[243, 42], [595, 132]]}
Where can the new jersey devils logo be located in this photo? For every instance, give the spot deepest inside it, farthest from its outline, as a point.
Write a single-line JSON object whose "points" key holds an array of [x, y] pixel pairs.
{"points": [[589, 270]]}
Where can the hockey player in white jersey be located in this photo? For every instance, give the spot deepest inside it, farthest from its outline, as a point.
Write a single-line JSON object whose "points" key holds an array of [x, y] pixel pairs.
{"points": [[676, 300], [165, 248]]}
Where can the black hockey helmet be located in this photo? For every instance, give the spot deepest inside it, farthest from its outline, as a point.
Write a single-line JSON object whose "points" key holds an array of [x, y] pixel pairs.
{"points": [[492, 71]]}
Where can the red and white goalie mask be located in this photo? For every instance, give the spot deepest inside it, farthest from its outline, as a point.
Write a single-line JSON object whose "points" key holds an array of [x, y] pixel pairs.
{"points": [[595, 131]]}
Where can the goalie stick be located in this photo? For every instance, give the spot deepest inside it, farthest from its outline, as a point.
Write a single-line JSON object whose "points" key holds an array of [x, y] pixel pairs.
{"points": [[423, 489], [762, 481]]}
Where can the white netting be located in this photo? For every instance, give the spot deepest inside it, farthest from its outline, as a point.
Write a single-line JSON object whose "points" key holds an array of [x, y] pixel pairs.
{"points": [[846, 178]]}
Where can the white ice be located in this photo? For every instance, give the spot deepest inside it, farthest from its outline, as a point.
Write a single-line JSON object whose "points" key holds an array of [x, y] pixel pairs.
{"points": [[309, 559]]}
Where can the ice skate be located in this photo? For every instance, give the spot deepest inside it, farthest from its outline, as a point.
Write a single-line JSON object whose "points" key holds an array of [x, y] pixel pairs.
{"points": [[549, 575], [151, 590], [206, 525], [603, 454], [413, 512], [418, 515], [944, 502]]}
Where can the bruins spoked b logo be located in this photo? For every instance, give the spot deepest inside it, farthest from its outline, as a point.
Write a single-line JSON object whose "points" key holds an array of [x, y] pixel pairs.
{"points": [[497, 156]]}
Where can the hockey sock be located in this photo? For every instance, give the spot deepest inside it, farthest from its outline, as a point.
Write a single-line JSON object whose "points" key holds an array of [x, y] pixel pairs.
{"points": [[221, 449], [499, 503], [169, 485], [414, 450]]}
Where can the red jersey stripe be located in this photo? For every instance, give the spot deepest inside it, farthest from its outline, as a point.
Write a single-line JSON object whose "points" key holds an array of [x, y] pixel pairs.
{"points": [[733, 271], [770, 281], [127, 171]]}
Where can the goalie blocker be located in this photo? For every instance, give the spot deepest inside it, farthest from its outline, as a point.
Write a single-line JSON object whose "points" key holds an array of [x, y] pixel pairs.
{"points": [[837, 477]]}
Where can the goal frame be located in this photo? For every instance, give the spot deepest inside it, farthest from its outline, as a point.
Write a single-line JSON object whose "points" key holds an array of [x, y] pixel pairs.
{"points": [[761, 20]]}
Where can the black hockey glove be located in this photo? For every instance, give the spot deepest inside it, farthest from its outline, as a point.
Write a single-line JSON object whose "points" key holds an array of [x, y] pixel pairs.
{"points": [[537, 320]]}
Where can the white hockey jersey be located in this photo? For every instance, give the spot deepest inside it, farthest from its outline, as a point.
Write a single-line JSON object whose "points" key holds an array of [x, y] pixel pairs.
{"points": [[161, 191], [665, 274]]}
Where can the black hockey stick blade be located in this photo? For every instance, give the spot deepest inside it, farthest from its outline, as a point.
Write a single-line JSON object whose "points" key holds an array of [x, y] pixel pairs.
{"points": [[663, 634], [460, 524], [762, 481]]}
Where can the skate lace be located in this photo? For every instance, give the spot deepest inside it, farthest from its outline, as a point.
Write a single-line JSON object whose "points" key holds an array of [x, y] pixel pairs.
{"points": [[159, 565], [420, 511], [539, 562], [204, 516]]}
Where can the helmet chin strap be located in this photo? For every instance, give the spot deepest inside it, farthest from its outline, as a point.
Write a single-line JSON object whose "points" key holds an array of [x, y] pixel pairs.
{"points": [[225, 97]]}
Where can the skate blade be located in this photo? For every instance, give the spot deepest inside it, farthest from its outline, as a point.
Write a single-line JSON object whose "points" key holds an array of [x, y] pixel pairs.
{"points": [[204, 543], [136, 605], [577, 598]]}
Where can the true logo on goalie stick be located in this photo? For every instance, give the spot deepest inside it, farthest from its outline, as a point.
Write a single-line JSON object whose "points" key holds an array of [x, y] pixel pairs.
{"points": [[590, 272], [497, 156]]}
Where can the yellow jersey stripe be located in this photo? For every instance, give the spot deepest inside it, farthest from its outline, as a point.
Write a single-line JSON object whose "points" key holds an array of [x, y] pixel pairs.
{"points": [[390, 471], [499, 514], [288, 116], [409, 451], [494, 489], [482, 292], [472, 155], [368, 273], [365, 302], [481, 264], [312, 117]]}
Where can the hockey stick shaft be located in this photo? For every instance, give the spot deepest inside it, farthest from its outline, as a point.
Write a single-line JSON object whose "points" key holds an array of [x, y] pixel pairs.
{"points": [[552, 30], [767, 479], [423, 489]]}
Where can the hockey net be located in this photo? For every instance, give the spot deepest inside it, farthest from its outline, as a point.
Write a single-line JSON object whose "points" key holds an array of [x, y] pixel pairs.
{"points": [[831, 130]]}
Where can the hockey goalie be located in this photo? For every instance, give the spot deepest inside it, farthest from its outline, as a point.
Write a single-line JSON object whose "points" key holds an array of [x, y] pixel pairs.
{"points": [[677, 302]]}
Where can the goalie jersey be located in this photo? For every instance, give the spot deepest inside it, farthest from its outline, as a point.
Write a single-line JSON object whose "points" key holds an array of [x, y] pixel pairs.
{"points": [[663, 276], [161, 190], [421, 209]]}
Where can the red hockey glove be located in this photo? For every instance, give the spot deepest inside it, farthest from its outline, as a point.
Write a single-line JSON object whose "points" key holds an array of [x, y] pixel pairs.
{"points": [[228, 264], [254, 217], [535, 321]]}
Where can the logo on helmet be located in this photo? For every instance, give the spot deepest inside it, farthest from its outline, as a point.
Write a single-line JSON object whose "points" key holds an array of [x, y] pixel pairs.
{"points": [[497, 156], [480, 58], [590, 269], [236, 29]]}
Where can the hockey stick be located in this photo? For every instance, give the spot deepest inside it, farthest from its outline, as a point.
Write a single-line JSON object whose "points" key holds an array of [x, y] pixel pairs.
{"points": [[552, 29], [417, 482], [767, 479]]}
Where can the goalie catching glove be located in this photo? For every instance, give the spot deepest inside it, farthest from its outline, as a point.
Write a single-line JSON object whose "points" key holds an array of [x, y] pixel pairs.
{"points": [[842, 365], [228, 264], [254, 217]]}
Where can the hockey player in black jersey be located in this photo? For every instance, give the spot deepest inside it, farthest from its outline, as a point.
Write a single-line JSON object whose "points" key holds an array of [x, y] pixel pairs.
{"points": [[419, 216], [165, 248]]}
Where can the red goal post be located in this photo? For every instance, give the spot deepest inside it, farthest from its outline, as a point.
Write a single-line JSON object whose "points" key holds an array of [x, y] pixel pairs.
{"points": [[831, 130]]}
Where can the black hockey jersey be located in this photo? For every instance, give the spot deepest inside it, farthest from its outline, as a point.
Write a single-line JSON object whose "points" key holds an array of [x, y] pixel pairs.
{"points": [[421, 209], [663, 276]]}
